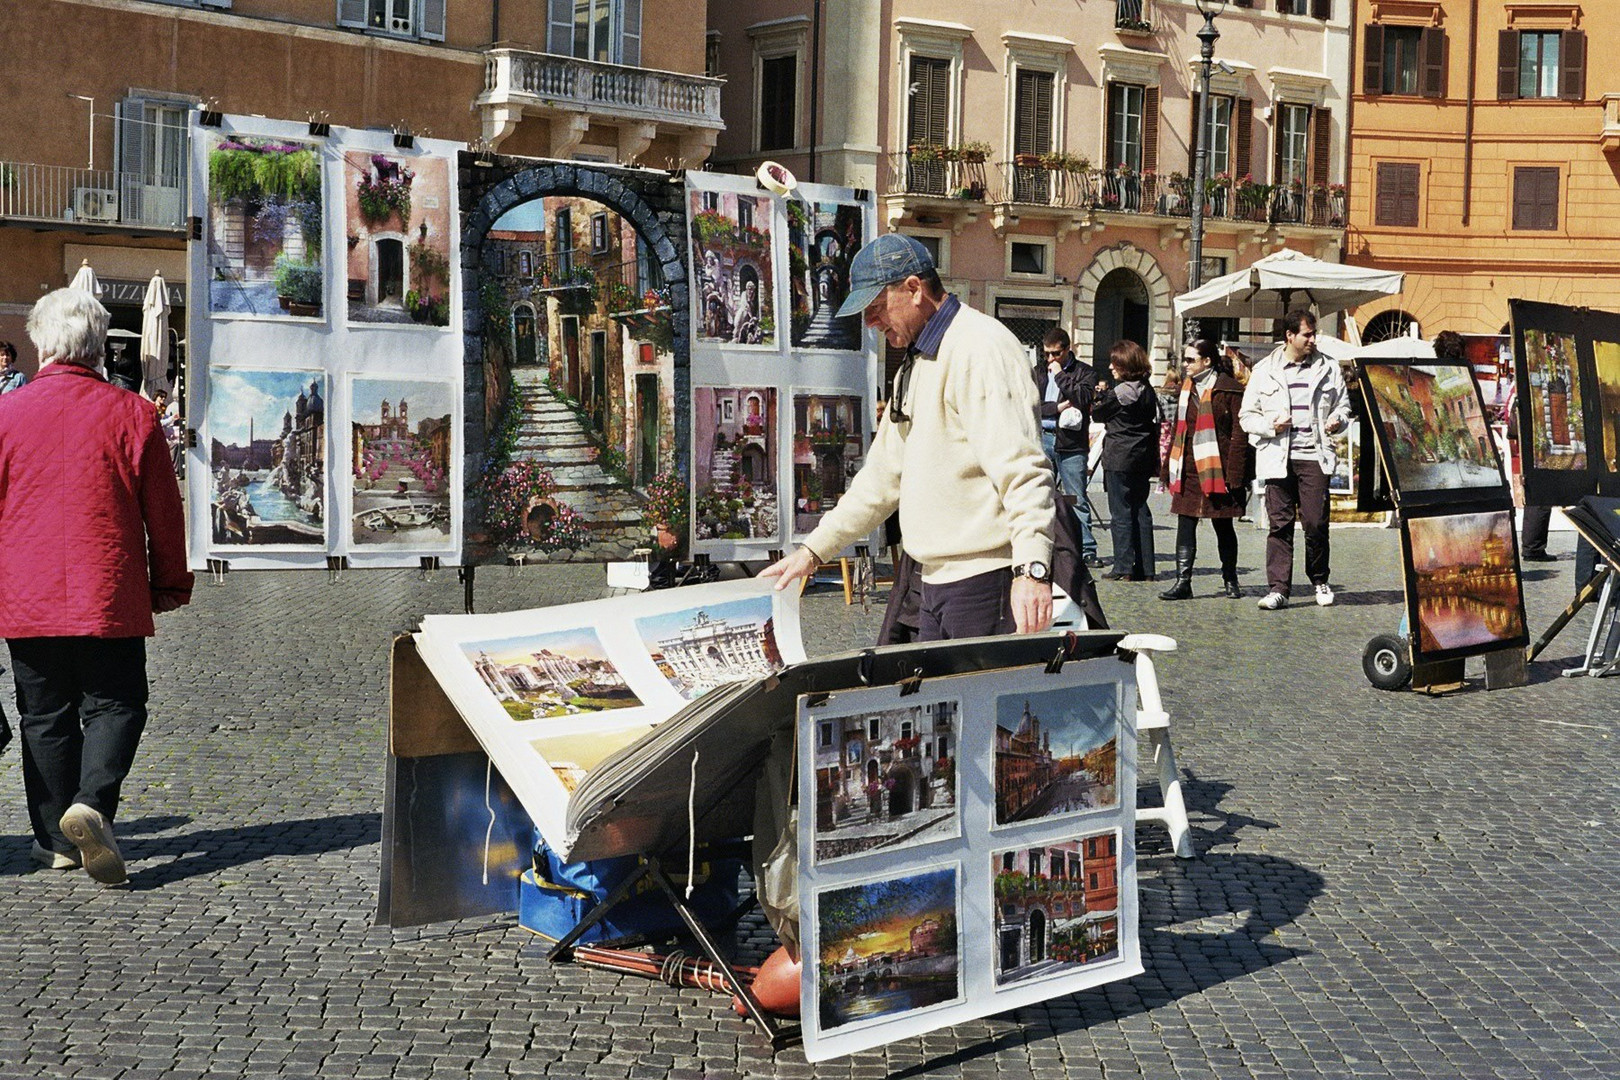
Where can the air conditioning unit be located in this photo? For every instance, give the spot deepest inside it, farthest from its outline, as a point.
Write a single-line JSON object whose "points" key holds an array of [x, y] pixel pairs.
{"points": [[95, 204]]}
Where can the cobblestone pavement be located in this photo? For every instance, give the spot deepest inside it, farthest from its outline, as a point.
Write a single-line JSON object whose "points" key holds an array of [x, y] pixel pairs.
{"points": [[1388, 885]]}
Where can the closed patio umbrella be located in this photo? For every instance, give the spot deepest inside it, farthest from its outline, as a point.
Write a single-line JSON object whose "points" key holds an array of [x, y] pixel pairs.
{"points": [[86, 279], [155, 338]]}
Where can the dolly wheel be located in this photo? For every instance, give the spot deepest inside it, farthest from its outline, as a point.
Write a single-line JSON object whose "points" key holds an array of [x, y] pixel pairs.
{"points": [[1387, 662]]}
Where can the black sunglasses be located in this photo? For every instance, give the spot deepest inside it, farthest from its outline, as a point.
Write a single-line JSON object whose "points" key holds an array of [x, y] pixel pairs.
{"points": [[902, 387]]}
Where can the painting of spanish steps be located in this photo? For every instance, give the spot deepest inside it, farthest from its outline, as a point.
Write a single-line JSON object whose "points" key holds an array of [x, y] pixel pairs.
{"points": [[581, 464]]}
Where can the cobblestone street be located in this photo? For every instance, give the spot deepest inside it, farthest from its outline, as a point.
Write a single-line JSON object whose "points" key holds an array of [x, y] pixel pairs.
{"points": [[1388, 885]]}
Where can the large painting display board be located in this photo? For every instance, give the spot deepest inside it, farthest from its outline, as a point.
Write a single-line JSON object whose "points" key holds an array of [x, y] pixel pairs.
{"points": [[1567, 370], [551, 693], [964, 849], [325, 375], [784, 394], [1428, 419], [1464, 594]]}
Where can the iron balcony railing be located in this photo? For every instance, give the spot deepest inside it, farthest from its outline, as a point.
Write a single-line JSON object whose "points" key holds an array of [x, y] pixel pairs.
{"points": [[91, 197], [1126, 191], [514, 76]]}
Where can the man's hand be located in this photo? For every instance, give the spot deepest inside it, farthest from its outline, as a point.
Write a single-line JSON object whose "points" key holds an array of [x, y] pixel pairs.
{"points": [[1338, 426], [799, 565], [1283, 424], [1031, 604]]}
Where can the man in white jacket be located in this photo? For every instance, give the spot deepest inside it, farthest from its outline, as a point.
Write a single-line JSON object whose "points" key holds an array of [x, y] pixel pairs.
{"points": [[958, 452], [1294, 404]]}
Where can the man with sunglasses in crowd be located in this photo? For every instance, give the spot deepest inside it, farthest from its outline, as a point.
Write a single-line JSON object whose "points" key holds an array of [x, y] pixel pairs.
{"points": [[1067, 388], [957, 452]]}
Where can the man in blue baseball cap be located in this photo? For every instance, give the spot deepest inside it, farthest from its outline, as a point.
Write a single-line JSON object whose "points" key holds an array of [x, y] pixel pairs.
{"points": [[958, 453]]}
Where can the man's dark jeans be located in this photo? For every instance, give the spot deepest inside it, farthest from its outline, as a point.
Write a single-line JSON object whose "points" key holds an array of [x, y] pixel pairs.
{"points": [[82, 707], [1302, 494], [979, 606]]}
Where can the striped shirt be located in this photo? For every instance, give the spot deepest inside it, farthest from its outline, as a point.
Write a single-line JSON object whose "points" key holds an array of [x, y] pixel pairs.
{"points": [[1302, 436]]}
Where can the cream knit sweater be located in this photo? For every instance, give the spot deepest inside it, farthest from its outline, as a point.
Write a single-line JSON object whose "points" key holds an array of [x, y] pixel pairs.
{"points": [[967, 472]]}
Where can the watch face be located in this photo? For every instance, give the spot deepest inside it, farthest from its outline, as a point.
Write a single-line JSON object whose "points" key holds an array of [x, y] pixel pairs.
{"points": [[1039, 571]]}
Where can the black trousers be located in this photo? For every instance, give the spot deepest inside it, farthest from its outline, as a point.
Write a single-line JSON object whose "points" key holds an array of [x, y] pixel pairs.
{"points": [[82, 707], [1302, 494], [979, 606]]}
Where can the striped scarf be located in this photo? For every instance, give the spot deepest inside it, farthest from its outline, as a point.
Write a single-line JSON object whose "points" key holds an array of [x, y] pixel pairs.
{"points": [[1206, 449]]}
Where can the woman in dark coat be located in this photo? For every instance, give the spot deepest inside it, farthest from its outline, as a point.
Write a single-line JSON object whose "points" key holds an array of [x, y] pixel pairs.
{"points": [[1209, 467], [1129, 407]]}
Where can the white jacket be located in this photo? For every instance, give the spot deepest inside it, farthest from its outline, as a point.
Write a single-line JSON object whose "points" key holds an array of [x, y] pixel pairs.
{"points": [[1266, 400]]}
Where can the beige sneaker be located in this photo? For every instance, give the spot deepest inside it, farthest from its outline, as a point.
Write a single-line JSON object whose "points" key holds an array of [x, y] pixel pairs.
{"points": [[54, 860], [92, 834]]}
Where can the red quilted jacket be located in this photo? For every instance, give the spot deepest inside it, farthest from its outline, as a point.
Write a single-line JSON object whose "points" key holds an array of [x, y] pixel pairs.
{"points": [[92, 533]]}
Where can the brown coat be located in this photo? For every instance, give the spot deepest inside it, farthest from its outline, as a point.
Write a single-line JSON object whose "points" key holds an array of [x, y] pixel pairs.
{"points": [[1237, 457]]}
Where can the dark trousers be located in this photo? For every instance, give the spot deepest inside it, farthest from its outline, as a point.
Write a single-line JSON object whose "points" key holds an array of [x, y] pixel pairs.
{"points": [[979, 606], [82, 706], [1301, 495], [1537, 520], [1130, 523], [1225, 543]]}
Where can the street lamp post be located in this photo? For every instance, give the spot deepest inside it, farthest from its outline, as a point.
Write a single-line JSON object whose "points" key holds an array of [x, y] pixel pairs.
{"points": [[1207, 37]]}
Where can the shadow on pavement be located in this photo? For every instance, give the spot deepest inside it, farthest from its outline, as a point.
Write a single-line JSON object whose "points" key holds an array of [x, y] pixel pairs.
{"points": [[1265, 892], [208, 850]]}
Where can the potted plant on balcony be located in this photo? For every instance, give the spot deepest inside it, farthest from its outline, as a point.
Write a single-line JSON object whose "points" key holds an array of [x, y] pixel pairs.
{"points": [[1027, 161], [973, 153], [924, 153]]}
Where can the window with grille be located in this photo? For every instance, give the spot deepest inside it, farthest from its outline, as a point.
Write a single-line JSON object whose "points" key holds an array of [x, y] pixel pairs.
{"points": [[1293, 143], [413, 18], [1125, 107], [778, 76], [1397, 193], [1535, 197]]}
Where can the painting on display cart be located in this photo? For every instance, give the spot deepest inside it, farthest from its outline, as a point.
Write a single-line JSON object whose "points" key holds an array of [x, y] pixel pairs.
{"points": [[1429, 422]]}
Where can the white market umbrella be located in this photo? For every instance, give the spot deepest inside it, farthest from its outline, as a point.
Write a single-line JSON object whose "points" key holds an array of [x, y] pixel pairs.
{"points": [[1397, 348], [1286, 279], [155, 337], [86, 279]]}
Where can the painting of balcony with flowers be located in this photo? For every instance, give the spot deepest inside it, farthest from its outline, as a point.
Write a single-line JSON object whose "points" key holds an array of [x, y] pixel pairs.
{"points": [[401, 434], [397, 215], [265, 218]]}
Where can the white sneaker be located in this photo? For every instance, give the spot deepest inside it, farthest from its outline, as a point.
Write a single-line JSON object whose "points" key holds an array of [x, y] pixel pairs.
{"points": [[92, 834], [1272, 601], [54, 860], [1324, 595]]}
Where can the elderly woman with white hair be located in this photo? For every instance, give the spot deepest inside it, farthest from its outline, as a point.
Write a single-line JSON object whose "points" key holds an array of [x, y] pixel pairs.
{"points": [[92, 544]]}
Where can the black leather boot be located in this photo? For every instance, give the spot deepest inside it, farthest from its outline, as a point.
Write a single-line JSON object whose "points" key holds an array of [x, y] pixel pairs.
{"points": [[1230, 588], [1182, 589]]}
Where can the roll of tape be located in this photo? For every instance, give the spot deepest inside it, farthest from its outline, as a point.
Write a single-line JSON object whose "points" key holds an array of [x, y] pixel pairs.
{"points": [[775, 178]]}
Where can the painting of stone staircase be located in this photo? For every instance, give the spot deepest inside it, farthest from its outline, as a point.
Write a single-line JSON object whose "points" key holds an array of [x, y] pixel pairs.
{"points": [[551, 434]]}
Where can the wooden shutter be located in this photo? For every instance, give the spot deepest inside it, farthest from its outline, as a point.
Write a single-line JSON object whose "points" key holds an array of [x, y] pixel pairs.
{"points": [[352, 13], [1285, 7], [1572, 65], [433, 19], [929, 110], [1507, 64], [1432, 58], [560, 28], [1321, 145], [1322, 9], [1372, 53], [1032, 113], [1113, 97], [1243, 152], [1535, 197], [1150, 129], [1395, 202]]}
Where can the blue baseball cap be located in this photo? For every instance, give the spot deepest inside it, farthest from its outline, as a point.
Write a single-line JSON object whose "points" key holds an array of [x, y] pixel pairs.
{"points": [[890, 258]]}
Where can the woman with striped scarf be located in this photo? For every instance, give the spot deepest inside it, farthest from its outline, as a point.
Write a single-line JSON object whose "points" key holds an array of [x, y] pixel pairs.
{"points": [[1209, 465]]}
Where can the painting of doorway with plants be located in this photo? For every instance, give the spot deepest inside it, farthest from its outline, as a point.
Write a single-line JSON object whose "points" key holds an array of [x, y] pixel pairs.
{"points": [[828, 446], [579, 361], [265, 216], [397, 224]]}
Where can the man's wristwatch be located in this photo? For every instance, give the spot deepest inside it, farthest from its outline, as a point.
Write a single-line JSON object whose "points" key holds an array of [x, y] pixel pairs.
{"points": [[1035, 571]]}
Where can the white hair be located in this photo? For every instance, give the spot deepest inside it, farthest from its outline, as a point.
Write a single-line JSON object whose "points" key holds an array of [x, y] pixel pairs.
{"points": [[69, 326]]}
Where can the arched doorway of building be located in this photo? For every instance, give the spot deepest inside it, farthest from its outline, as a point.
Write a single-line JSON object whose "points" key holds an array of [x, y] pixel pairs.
{"points": [[523, 336], [1123, 311], [1037, 936], [1387, 325]]}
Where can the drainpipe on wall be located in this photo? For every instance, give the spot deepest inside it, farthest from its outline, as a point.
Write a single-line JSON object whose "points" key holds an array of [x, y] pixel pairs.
{"points": [[1350, 130], [494, 21], [1468, 121], [815, 84]]}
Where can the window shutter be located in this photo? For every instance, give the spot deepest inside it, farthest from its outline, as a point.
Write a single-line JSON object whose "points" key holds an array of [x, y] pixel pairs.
{"points": [[1111, 128], [1396, 200], [433, 19], [1032, 132], [1322, 9], [1432, 49], [1507, 64], [930, 101], [1372, 72], [1150, 129], [1243, 154], [630, 33], [1535, 197], [130, 151], [1572, 65], [1321, 146], [560, 32], [352, 13]]}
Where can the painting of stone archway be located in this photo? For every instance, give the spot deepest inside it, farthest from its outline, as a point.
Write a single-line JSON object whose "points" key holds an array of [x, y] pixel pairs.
{"points": [[577, 381]]}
